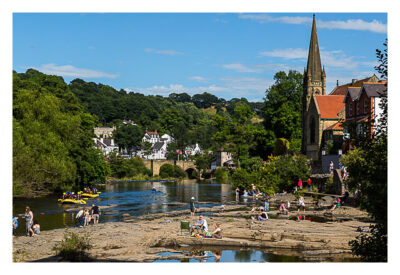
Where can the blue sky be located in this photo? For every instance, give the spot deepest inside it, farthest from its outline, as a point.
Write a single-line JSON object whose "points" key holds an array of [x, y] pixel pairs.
{"points": [[226, 54]]}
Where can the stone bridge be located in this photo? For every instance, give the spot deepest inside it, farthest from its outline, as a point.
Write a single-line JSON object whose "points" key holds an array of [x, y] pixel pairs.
{"points": [[155, 164]]}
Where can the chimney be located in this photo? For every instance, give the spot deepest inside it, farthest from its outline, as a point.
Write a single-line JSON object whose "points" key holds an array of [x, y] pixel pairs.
{"points": [[112, 142], [156, 131], [353, 81], [101, 140], [337, 83]]}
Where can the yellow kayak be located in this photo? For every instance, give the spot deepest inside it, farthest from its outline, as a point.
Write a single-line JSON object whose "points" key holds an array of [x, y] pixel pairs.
{"points": [[71, 201], [89, 195]]}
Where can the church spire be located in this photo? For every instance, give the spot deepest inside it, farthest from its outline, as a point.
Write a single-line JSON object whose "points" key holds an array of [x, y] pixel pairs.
{"points": [[314, 60]]}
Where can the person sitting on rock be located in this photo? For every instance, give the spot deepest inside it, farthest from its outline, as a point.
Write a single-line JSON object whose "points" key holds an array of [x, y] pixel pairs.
{"points": [[201, 224], [282, 208], [336, 204], [262, 216], [217, 233]]}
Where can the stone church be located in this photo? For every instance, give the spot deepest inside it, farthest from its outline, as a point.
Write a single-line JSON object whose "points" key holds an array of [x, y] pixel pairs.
{"points": [[322, 114]]}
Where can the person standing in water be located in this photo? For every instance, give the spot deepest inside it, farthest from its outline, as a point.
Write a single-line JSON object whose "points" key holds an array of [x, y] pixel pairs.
{"points": [[95, 214], [28, 220], [192, 206]]}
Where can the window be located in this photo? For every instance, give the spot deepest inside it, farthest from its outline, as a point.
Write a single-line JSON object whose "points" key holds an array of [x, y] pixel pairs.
{"points": [[366, 106], [357, 109], [350, 109]]}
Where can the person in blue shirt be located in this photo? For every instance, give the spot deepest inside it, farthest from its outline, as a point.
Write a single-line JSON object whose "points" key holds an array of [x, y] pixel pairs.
{"points": [[15, 225]]}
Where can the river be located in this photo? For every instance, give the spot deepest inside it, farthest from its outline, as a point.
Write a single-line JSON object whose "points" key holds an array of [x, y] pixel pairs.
{"points": [[133, 198]]}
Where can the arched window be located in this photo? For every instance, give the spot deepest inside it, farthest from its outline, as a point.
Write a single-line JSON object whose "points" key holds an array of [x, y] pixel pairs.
{"points": [[312, 130]]}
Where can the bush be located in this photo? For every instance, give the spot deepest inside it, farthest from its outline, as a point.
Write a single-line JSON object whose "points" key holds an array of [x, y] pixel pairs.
{"points": [[221, 175], [171, 171], [73, 248], [329, 188], [281, 146], [126, 168]]}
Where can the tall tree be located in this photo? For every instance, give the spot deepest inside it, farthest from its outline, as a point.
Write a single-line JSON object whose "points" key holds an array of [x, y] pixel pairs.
{"points": [[282, 109]]}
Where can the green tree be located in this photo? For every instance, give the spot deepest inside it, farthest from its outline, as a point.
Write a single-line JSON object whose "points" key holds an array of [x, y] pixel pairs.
{"points": [[128, 136], [52, 137], [367, 167], [282, 109]]}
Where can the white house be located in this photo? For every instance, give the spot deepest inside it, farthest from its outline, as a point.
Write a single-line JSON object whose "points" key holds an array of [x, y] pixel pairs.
{"points": [[192, 150], [106, 145], [159, 145]]}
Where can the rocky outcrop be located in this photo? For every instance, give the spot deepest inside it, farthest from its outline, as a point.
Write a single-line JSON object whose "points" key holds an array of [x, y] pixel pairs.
{"points": [[140, 239]]}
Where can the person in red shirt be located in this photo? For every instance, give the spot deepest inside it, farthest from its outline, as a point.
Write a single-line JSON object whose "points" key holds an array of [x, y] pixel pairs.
{"points": [[300, 184], [309, 184]]}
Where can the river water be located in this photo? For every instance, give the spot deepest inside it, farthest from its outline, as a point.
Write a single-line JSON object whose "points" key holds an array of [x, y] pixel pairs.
{"points": [[133, 198], [137, 198]]}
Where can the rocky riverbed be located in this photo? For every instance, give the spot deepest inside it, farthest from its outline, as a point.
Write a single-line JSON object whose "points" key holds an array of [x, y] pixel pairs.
{"points": [[141, 239]]}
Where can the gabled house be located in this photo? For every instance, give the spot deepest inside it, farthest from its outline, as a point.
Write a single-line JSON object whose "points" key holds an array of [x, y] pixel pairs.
{"points": [[362, 108], [192, 150], [159, 145], [342, 89], [106, 145]]}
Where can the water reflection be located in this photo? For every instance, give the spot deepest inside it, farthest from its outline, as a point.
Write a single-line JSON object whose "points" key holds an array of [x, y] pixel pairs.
{"points": [[133, 198]]}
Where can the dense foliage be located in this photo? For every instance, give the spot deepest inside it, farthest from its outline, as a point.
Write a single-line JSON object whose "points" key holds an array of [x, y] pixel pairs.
{"points": [[52, 137], [171, 171], [367, 166], [189, 119], [283, 105], [127, 168], [277, 174]]}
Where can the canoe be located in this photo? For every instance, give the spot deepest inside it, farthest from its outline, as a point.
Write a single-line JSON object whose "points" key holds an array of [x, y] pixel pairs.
{"points": [[71, 201]]}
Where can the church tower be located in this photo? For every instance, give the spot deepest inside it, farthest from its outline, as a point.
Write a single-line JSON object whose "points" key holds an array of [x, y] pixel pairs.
{"points": [[314, 79]]}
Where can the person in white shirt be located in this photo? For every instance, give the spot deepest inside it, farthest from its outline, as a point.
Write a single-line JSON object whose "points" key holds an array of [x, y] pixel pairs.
{"points": [[79, 216], [201, 223]]}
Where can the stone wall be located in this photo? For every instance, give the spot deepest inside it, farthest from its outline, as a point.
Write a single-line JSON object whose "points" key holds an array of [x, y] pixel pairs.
{"points": [[154, 165]]}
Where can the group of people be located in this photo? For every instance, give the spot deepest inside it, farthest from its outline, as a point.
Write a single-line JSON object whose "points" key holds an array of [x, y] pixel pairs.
{"points": [[201, 224], [87, 190], [71, 195], [32, 226], [300, 184], [85, 216]]}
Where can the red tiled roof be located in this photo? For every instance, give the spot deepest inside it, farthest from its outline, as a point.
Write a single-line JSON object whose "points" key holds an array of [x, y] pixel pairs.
{"points": [[342, 89], [335, 126], [329, 105]]}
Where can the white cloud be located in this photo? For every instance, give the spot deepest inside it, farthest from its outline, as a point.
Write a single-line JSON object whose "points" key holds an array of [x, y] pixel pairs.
{"points": [[238, 67], [287, 53], [265, 18], [354, 24], [167, 52], [198, 78], [336, 58], [350, 24], [71, 71]]}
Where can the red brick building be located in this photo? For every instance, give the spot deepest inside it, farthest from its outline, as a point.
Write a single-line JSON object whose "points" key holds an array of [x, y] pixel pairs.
{"points": [[362, 109]]}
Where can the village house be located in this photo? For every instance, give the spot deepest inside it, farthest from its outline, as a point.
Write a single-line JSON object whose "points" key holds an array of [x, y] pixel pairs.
{"points": [[107, 146], [192, 150], [362, 110], [159, 145]]}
